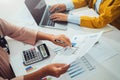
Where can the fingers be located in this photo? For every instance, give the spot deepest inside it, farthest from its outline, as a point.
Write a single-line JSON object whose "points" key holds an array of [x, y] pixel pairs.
{"points": [[54, 16], [57, 8], [53, 9], [62, 40], [67, 41], [55, 69], [58, 17], [59, 65], [63, 68], [60, 43]]}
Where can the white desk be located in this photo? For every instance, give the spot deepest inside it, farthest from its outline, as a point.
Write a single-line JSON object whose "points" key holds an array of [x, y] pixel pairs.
{"points": [[17, 47]]}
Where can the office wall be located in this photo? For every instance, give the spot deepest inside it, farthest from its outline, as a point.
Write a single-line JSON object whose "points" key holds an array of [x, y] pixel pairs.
{"points": [[9, 7]]}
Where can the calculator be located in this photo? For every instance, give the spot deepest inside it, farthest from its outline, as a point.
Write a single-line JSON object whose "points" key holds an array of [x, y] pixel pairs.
{"points": [[35, 54]]}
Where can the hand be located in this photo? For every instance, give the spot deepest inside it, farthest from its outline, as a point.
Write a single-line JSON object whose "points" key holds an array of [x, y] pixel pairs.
{"points": [[55, 69], [63, 40], [57, 8], [58, 17], [52, 69], [51, 37]]}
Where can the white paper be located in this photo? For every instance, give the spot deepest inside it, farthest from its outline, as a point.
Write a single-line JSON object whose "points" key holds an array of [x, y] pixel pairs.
{"points": [[83, 44], [102, 51]]}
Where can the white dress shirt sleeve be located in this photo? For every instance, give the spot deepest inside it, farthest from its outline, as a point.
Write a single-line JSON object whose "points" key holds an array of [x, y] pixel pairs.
{"points": [[97, 4], [73, 19], [69, 5]]}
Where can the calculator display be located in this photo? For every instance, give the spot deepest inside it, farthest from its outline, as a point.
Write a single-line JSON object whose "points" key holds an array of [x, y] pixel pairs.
{"points": [[43, 51], [35, 54]]}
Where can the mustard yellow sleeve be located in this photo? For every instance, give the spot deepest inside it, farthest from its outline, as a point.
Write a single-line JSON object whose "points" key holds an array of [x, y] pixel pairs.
{"points": [[109, 15], [79, 3]]}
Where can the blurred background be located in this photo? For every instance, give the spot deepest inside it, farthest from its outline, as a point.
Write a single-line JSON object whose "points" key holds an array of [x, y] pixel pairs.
{"points": [[9, 7]]}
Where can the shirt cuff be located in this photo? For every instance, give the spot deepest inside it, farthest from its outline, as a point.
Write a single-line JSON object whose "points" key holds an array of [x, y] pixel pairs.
{"points": [[73, 19], [69, 5]]}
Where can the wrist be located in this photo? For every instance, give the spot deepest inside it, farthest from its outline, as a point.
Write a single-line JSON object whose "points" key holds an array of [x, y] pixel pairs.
{"points": [[45, 71], [51, 37], [44, 36]]}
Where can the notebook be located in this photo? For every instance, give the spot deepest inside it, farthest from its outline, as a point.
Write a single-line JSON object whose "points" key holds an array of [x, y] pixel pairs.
{"points": [[40, 12]]}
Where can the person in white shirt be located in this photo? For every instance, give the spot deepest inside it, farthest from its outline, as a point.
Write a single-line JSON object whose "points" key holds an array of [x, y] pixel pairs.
{"points": [[108, 10]]}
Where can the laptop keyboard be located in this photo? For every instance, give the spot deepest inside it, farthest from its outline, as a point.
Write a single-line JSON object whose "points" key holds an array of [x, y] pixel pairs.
{"points": [[50, 22], [47, 21]]}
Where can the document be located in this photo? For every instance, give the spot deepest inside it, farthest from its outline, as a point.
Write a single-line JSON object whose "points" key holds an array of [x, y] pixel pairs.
{"points": [[81, 45], [102, 51]]}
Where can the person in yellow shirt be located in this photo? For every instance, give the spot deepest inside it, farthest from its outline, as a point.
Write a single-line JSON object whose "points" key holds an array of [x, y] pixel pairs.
{"points": [[108, 10]]}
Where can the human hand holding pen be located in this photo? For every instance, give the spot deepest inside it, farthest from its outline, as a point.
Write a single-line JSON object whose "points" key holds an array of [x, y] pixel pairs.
{"points": [[51, 37], [61, 40]]}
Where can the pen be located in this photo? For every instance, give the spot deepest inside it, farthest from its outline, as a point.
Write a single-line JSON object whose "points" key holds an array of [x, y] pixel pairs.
{"points": [[59, 41], [96, 42]]}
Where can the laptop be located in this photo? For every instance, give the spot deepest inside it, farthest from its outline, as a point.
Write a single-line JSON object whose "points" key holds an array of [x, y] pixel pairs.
{"points": [[40, 12]]}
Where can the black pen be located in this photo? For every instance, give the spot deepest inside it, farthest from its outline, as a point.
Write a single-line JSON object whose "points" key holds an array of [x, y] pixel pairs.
{"points": [[96, 43], [59, 41]]}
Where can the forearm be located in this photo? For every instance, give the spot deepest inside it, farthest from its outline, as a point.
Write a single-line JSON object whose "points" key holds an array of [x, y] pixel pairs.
{"points": [[36, 75], [109, 15], [22, 34], [44, 36]]}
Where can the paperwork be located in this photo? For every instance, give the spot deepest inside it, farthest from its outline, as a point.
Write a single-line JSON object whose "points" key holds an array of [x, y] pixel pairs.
{"points": [[81, 45], [102, 51]]}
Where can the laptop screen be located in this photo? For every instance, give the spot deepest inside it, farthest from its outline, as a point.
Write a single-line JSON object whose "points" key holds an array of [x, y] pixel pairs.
{"points": [[36, 8]]}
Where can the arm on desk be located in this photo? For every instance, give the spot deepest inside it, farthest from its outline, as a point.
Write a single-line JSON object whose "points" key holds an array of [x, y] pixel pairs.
{"points": [[53, 38], [29, 35], [53, 70]]}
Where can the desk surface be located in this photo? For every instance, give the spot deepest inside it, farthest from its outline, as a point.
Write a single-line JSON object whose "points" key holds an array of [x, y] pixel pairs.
{"points": [[16, 59]]}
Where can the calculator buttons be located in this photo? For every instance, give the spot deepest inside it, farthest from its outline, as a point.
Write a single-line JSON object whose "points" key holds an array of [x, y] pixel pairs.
{"points": [[35, 54]]}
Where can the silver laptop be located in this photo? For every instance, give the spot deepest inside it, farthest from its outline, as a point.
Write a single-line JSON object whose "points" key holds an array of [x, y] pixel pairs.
{"points": [[40, 12]]}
